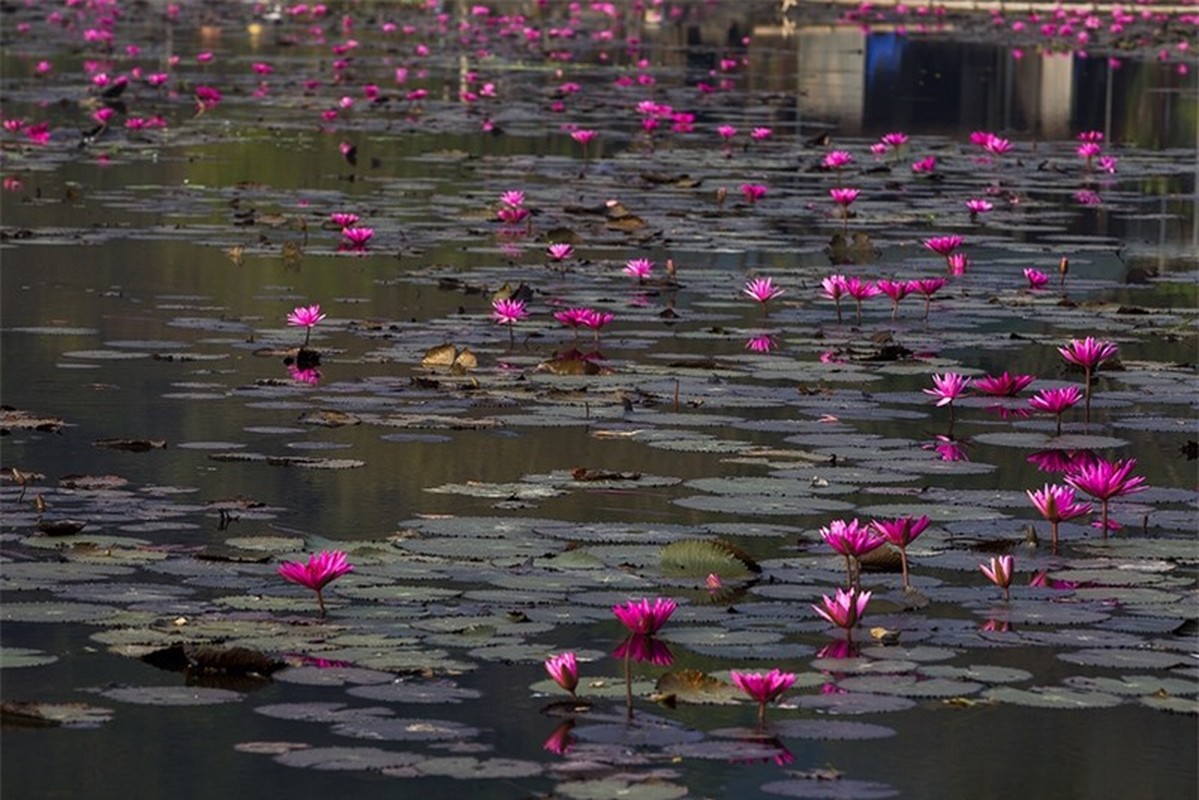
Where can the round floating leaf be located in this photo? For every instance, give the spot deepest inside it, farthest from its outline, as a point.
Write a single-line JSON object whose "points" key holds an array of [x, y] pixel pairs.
{"points": [[1126, 659], [320, 712], [608, 788], [1173, 705], [1133, 685], [753, 504], [464, 767], [909, 686], [56, 612], [984, 673], [1051, 697], [743, 751], [697, 558], [639, 734], [172, 695], [348, 758], [854, 703], [435, 692], [1031, 440], [269, 748], [404, 730], [824, 789], [332, 676], [828, 729], [13, 657]]}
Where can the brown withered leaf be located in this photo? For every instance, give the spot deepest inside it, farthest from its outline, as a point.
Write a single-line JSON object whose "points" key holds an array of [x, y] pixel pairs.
{"points": [[45, 715], [442, 355], [131, 445], [60, 527], [570, 366], [696, 686], [330, 418], [584, 474], [16, 419], [92, 482]]}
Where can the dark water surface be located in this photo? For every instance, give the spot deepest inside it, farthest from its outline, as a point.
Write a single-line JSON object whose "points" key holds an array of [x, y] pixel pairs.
{"points": [[146, 276]]}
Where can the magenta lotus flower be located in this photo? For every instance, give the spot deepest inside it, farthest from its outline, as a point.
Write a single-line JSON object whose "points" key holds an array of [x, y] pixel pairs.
{"points": [[762, 290], [1088, 353], [978, 206], [559, 251], [639, 268], [508, 311], [726, 132], [834, 288], [763, 688], [852, 540], [1036, 279], [844, 196], [896, 290], [357, 237], [1056, 401], [310, 376], [753, 192], [761, 344], [844, 610], [895, 139], [564, 669], [859, 290], [206, 97], [1005, 385], [925, 166], [583, 136], [761, 134], [343, 219], [642, 618], [999, 572], [1104, 480], [997, 146], [836, 159], [321, 569], [305, 317], [513, 198], [596, 320], [927, 287], [572, 318], [38, 133], [947, 388], [901, 532], [1057, 504], [943, 245]]}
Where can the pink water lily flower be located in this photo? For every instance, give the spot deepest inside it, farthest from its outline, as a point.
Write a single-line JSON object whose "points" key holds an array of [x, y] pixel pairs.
{"points": [[305, 317], [761, 344], [321, 569], [844, 196], [513, 198], [560, 251], [925, 166], [1005, 385], [508, 311], [860, 290], [1088, 353], [844, 610], [762, 290], [948, 387], [564, 669], [836, 159], [943, 245], [639, 268], [761, 134], [1056, 401], [834, 288], [978, 206], [357, 237], [726, 132], [895, 139], [640, 617], [1057, 504], [901, 532], [896, 290], [763, 688], [853, 540], [1105, 480], [927, 287], [1036, 279], [343, 219], [753, 192], [999, 572]]}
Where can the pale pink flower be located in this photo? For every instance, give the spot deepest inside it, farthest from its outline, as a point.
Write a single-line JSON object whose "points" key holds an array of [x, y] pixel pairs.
{"points": [[639, 268], [999, 572], [836, 159], [560, 251]]}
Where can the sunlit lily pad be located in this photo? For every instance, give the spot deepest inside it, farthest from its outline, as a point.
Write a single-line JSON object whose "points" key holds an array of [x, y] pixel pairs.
{"points": [[172, 695], [1058, 697], [13, 657]]}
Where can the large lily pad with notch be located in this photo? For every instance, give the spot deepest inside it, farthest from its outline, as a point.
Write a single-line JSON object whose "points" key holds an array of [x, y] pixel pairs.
{"points": [[172, 695], [366, 759]]}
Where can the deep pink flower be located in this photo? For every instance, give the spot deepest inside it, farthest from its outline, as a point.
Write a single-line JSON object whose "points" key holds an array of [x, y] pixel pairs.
{"points": [[206, 97], [762, 290], [948, 387], [845, 609], [836, 159], [583, 136], [310, 376], [642, 618], [560, 251], [560, 741], [763, 688], [1104, 480], [1089, 150], [850, 538], [357, 237], [38, 133], [894, 140], [1055, 401], [943, 245], [572, 317], [639, 268], [512, 215], [760, 344], [508, 311], [901, 532], [1004, 385], [753, 192], [343, 219], [726, 132], [513, 198], [305, 316], [843, 196], [1036, 278], [925, 165], [896, 290], [957, 263], [859, 289], [1057, 504], [834, 289], [978, 206], [1088, 353], [564, 669], [997, 146], [761, 134], [321, 569], [999, 572]]}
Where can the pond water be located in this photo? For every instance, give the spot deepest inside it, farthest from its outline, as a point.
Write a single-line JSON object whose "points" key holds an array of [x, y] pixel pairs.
{"points": [[155, 238]]}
